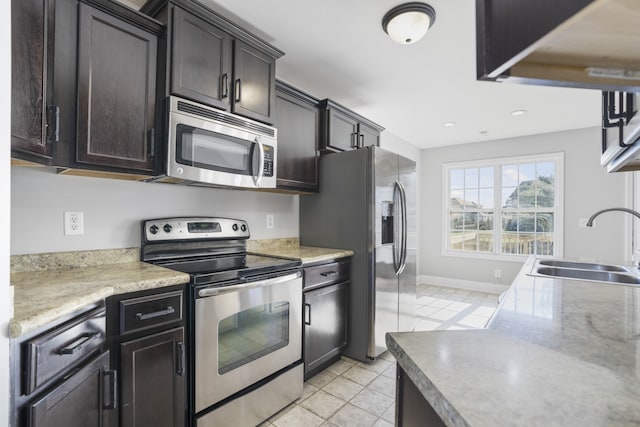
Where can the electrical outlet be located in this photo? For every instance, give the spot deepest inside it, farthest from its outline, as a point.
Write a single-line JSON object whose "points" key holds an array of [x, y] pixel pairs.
{"points": [[73, 223], [270, 221], [497, 273]]}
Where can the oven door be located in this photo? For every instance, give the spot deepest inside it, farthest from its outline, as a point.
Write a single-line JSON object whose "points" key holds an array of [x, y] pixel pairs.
{"points": [[244, 333], [209, 151]]}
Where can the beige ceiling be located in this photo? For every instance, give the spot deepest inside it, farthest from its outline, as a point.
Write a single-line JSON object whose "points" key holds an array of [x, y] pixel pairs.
{"points": [[337, 49]]}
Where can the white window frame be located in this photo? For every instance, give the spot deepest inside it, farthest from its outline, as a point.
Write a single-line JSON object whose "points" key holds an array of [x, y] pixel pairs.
{"points": [[497, 163]]}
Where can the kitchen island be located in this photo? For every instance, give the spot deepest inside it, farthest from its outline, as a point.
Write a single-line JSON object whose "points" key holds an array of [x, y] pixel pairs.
{"points": [[557, 352]]}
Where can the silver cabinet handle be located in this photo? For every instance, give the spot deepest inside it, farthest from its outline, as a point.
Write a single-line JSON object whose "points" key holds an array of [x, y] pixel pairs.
{"points": [[210, 292], [147, 316]]}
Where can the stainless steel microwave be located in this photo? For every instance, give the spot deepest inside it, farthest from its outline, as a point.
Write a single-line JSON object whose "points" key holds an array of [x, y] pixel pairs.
{"points": [[209, 147]]}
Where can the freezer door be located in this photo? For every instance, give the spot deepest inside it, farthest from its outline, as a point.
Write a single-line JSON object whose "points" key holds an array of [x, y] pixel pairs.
{"points": [[387, 239], [408, 278]]}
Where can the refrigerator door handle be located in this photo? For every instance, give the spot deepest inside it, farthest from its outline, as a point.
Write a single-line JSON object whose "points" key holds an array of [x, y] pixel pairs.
{"points": [[403, 235], [399, 227]]}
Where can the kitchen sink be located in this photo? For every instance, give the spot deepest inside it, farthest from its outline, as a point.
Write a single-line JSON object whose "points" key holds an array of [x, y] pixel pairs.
{"points": [[605, 273], [583, 265]]}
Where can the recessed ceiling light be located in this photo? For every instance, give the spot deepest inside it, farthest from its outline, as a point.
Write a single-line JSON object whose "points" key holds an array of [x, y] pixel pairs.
{"points": [[484, 132], [449, 124], [518, 112]]}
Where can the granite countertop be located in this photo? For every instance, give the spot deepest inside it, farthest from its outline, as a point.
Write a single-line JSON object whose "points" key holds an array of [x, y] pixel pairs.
{"points": [[290, 248], [50, 286], [557, 352]]}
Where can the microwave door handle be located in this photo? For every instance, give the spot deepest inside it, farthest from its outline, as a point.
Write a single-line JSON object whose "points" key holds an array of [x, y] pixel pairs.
{"points": [[258, 176]]}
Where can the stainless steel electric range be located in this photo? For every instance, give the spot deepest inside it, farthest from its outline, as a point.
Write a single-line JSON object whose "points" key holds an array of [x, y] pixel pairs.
{"points": [[245, 319]]}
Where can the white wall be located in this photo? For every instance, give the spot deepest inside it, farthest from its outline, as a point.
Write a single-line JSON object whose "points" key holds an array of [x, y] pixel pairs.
{"points": [[588, 188], [6, 305], [391, 142], [114, 208]]}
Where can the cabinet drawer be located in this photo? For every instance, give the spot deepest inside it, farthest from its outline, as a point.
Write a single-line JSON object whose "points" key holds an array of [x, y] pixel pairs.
{"points": [[149, 311], [63, 348], [324, 274]]}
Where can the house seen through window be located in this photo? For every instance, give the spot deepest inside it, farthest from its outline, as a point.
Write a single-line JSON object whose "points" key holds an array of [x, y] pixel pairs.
{"points": [[504, 207]]}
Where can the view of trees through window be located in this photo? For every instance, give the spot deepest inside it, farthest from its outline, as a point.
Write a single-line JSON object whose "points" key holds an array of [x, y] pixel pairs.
{"points": [[503, 208]]}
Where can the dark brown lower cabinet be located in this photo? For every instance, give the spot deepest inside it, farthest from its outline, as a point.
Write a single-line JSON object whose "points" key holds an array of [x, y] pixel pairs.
{"points": [[325, 326], [412, 409], [79, 401], [153, 379]]}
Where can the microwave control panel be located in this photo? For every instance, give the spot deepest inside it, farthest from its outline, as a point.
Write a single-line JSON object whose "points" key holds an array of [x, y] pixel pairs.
{"points": [[268, 160]]}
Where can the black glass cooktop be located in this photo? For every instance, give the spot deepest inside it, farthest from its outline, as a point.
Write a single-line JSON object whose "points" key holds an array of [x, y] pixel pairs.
{"points": [[208, 270]]}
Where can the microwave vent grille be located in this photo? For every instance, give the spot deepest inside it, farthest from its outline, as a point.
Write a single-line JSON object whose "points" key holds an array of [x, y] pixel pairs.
{"points": [[225, 118]]}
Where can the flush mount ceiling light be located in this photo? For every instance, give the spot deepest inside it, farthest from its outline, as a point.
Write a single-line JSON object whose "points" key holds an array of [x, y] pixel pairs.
{"points": [[408, 22]]}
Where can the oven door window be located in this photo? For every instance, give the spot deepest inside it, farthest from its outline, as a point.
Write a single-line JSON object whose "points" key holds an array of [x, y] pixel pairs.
{"points": [[251, 334], [214, 151]]}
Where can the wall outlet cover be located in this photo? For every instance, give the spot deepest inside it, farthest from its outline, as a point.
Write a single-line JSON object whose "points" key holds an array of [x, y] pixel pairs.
{"points": [[73, 223]]}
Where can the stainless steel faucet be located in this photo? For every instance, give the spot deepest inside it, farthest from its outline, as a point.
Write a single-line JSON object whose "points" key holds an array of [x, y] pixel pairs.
{"points": [[631, 211]]}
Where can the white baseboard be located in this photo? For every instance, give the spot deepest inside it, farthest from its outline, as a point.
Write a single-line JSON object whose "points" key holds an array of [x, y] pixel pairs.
{"points": [[472, 285]]}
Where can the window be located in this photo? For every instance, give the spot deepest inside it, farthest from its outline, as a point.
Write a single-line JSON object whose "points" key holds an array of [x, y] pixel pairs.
{"points": [[504, 207]]}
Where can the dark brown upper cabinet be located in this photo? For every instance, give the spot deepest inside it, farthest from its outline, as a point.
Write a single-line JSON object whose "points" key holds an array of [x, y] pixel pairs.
{"points": [[83, 86], [573, 43], [343, 129], [211, 60], [116, 92], [297, 118], [29, 81]]}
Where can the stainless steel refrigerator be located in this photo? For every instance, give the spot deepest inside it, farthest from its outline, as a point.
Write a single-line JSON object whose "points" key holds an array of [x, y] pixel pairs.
{"points": [[367, 203]]}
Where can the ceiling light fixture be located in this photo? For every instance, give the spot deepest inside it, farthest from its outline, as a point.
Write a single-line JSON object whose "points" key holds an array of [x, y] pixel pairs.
{"points": [[408, 22], [518, 112]]}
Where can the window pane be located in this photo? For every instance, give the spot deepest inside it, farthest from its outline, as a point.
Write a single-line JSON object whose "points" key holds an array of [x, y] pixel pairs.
{"points": [[510, 197], [456, 221], [510, 176], [544, 244], [485, 241], [527, 172], [526, 243], [546, 171], [485, 221], [526, 222], [486, 177], [544, 194], [456, 198], [527, 194], [470, 220], [509, 222], [471, 178], [544, 222], [486, 198], [470, 240], [456, 178], [456, 240], [471, 198], [509, 242]]}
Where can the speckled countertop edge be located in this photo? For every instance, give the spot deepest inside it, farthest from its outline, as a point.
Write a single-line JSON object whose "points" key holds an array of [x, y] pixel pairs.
{"points": [[290, 248], [74, 280]]}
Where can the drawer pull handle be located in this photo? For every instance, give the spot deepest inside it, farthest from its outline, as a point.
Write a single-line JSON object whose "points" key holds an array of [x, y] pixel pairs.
{"points": [[307, 314], [111, 389], [329, 273], [147, 316], [79, 342], [180, 367]]}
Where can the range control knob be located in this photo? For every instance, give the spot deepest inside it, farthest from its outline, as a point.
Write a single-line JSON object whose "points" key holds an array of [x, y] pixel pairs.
{"points": [[235, 227], [153, 229], [167, 228], [243, 227]]}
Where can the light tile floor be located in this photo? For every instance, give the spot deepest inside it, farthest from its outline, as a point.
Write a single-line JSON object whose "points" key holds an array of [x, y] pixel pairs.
{"points": [[350, 393]]}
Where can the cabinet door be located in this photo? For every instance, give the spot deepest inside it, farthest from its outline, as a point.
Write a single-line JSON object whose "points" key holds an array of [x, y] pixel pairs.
{"points": [[200, 60], [29, 80], [153, 380], [342, 131], [367, 136], [297, 119], [325, 320], [116, 92], [254, 83], [77, 402]]}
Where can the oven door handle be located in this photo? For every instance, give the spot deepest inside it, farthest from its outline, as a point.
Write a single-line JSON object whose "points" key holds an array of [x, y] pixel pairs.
{"points": [[210, 292]]}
